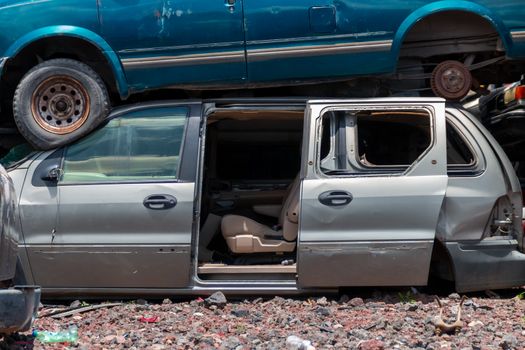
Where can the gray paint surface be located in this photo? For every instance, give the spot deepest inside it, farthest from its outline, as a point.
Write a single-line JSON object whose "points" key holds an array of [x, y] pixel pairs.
{"points": [[101, 240], [388, 229]]}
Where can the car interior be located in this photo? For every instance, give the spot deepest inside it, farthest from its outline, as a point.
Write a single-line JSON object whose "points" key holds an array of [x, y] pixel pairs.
{"points": [[250, 194]]}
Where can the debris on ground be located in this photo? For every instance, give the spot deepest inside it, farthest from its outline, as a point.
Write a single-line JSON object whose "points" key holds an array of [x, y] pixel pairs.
{"points": [[441, 325], [218, 299], [368, 322]]}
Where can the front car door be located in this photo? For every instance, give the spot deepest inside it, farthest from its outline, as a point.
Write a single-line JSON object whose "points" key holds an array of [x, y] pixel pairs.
{"points": [[125, 204], [375, 176], [174, 42]]}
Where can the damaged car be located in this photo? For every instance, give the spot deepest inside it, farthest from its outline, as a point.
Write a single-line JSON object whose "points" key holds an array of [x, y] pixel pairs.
{"points": [[272, 196], [18, 302], [64, 63]]}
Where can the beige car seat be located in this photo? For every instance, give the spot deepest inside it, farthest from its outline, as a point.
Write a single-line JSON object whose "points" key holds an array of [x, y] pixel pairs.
{"points": [[244, 235]]}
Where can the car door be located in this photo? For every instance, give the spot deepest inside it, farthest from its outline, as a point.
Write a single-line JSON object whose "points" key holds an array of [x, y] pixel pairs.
{"points": [[375, 177], [312, 39], [169, 42], [125, 204]]}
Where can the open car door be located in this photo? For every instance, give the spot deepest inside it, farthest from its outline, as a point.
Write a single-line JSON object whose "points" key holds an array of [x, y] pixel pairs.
{"points": [[374, 180]]}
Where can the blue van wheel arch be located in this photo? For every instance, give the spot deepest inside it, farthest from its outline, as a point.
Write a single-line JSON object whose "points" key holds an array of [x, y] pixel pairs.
{"points": [[440, 7], [81, 34]]}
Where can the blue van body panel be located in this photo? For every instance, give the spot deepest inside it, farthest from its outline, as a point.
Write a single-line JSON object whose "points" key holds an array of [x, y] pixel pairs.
{"points": [[81, 33], [153, 44]]}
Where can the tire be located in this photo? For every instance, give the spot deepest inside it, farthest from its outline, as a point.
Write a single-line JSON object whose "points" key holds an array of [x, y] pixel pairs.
{"points": [[451, 80], [59, 101]]}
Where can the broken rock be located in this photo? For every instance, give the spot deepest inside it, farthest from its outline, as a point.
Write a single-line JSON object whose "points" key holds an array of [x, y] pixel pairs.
{"points": [[372, 344], [217, 299]]}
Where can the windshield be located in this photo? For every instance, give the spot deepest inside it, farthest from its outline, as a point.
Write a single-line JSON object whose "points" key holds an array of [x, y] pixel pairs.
{"points": [[16, 155]]}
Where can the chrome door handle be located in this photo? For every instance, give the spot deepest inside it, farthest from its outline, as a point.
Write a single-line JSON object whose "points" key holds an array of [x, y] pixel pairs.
{"points": [[230, 4], [335, 198], [160, 201]]}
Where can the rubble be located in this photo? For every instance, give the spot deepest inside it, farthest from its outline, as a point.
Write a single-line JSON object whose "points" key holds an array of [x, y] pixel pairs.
{"points": [[377, 322]]}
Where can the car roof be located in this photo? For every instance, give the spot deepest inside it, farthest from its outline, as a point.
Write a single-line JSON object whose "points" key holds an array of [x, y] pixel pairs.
{"points": [[260, 101]]}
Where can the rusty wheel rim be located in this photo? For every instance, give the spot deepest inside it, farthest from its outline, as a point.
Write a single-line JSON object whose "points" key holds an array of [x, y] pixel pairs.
{"points": [[60, 105], [451, 80]]}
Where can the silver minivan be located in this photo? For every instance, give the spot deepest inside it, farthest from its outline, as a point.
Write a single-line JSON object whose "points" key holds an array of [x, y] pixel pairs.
{"points": [[272, 196]]}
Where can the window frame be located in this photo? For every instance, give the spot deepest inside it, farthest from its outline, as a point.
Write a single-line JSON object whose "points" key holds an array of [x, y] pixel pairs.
{"points": [[136, 113], [363, 170], [461, 170]]}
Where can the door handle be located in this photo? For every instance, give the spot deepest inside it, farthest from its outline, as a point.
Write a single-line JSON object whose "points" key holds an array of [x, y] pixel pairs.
{"points": [[230, 4], [160, 202], [335, 198]]}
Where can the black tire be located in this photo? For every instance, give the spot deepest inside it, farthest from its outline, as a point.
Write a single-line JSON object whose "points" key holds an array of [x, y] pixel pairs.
{"points": [[59, 101]]}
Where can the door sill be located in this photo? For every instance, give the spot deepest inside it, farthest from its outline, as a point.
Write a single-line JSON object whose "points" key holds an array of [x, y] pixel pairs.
{"points": [[207, 268]]}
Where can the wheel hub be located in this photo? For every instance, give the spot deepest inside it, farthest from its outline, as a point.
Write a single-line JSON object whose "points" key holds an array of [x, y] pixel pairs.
{"points": [[60, 105], [453, 79]]}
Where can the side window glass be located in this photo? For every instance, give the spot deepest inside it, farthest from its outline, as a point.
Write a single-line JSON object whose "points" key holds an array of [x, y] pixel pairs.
{"points": [[458, 151], [135, 147], [375, 141]]}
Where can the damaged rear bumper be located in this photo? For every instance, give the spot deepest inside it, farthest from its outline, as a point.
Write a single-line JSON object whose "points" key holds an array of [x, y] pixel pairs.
{"points": [[489, 264], [18, 308]]}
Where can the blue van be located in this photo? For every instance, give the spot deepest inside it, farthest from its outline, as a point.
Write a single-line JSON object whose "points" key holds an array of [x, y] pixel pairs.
{"points": [[63, 63]]}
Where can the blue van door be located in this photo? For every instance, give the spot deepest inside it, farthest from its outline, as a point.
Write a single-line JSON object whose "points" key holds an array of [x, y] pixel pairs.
{"points": [[165, 42]]}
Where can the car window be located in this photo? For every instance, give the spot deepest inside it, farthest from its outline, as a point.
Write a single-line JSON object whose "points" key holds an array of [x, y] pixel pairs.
{"points": [[16, 155], [130, 148], [374, 142], [458, 151]]}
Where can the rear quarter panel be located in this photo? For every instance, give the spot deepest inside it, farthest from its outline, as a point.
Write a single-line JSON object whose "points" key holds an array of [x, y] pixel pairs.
{"points": [[470, 198]]}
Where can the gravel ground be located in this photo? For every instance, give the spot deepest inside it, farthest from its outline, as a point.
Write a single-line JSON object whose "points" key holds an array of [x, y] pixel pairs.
{"points": [[383, 320]]}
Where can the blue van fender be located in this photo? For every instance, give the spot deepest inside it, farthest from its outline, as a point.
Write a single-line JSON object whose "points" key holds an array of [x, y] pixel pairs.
{"points": [[81, 33], [451, 5]]}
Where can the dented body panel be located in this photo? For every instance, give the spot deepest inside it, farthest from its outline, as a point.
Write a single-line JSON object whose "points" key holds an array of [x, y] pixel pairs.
{"points": [[389, 226], [150, 44]]}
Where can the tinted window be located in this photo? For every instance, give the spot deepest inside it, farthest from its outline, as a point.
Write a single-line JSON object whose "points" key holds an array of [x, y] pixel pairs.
{"points": [[129, 148], [458, 151]]}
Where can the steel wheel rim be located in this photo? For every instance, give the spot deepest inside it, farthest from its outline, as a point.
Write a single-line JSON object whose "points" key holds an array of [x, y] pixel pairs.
{"points": [[60, 105], [453, 80]]}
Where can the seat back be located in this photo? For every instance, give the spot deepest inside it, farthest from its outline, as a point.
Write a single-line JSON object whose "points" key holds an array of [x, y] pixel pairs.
{"points": [[289, 218]]}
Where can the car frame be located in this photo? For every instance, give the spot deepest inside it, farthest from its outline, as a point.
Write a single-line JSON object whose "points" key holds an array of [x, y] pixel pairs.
{"points": [[89, 235], [102, 52]]}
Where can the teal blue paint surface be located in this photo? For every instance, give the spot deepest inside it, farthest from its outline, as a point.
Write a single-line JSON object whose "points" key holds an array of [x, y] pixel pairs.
{"points": [[160, 43]]}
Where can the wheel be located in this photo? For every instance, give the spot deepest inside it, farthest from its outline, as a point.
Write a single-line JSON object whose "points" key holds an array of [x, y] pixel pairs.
{"points": [[451, 80], [59, 101]]}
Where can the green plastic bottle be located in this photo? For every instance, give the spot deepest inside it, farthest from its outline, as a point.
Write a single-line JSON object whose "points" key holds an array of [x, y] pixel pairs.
{"points": [[69, 336]]}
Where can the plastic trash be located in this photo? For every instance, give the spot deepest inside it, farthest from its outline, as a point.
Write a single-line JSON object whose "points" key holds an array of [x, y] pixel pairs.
{"points": [[295, 343], [152, 319], [69, 336]]}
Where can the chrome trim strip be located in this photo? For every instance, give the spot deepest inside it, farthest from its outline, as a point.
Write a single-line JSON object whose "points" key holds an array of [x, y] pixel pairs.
{"points": [[256, 54], [317, 38], [312, 50], [236, 44], [183, 60], [518, 35]]}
